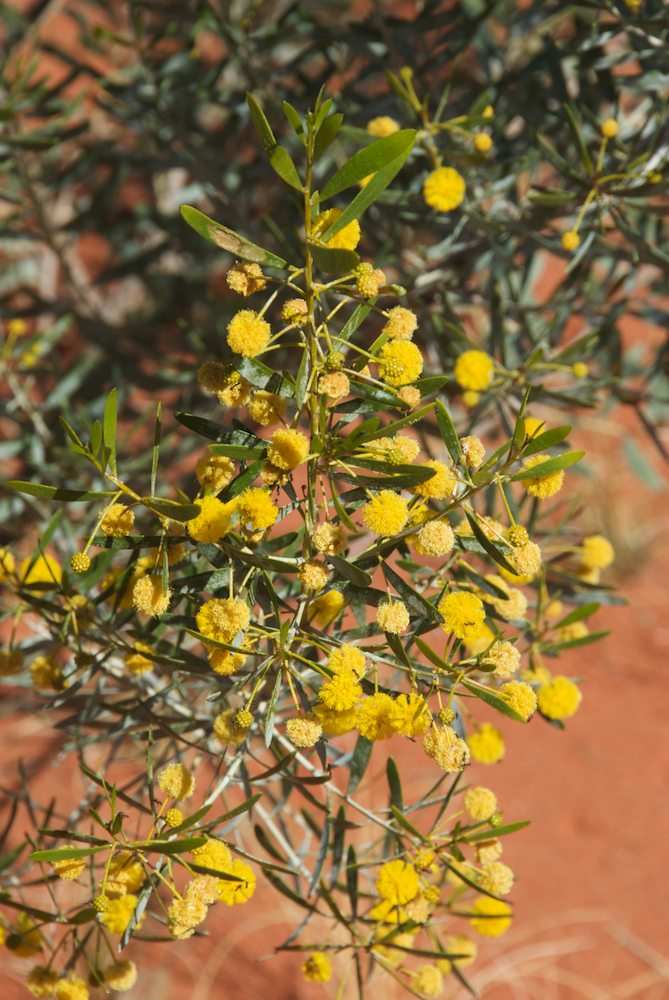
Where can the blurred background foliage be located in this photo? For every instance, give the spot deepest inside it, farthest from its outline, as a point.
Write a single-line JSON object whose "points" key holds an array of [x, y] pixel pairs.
{"points": [[114, 114]]}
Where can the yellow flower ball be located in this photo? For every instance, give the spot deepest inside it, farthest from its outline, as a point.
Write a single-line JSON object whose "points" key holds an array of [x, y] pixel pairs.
{"points": [[45, 571], [580, 370], [392, 617], [474, 370], [288, 449], [486, 744], [341, 692], [401, 323], [400, 362], [483, 142], [120, 976], [150, 597], [386, 514], [69, 868], [255, 509], [117, 915], [480, 803], [444, 189], [248, 333], [317, 968], [570, 241], [596, 552], [440, 486], [303, 731], [373, 717], [245, 278], [214, 472], [177, 781], [609, 128], [266, 408], [118, 521], [223, 618], [463, 614], [326, 608], [521, 698], [559, 698], [397, 882], [382, 126], [490, 917], [212, 522], [7, 564]]}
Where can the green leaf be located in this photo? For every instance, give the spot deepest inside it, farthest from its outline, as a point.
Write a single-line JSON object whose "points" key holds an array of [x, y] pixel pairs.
{"points": [[67, 853], [394, 784], [578, 135], [173, 509], [549, 466], [333, 261], [359, 762], [293, 117], [109, 430], [172, 846], [547, 439], [282, 164], [239, 451], [326, 134], [416, 603], [55, 492], [228, 240], [355, 320], [352, 878], [349, 571], [368, 195], [448, 432], [367, 161], [302, 379], [578, 614], [155, 452], [262, 126], [489, 547]]}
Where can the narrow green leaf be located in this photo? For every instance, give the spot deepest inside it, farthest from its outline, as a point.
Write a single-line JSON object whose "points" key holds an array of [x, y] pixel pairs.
{"points": [[67, 853], [549, 466], [547, 439], [282, 164], [578, 614], [448, 432], [326, 134], [156, 447], [109, 429], [334, 261], [349, 571], [369, 160], [359, 762], [394, 784], [352, 878], [238, 451], [262, 126], [55, 492], [293, 117], [491, 698], [228, 240], [171, 508], [489, 546], [302, 379], [416, 603]]}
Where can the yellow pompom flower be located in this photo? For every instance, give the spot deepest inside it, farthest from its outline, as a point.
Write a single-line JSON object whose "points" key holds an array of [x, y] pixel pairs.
{"points": [[505, 656], [248, 334], [409, 395], [596, 552], [436, 538], [41, 982], [314, 575], [457, 944], [80, 562], [474, 370], [177, 781], [303, 731], [392, 617], [69, 868], [46, 673], [444, 189], [225, 730], [335, 385], [225, 661], [221, 378], [72, 988], [222, 618], [150, 597], [334, 723], [368, 280], [326, 608], [373, 717], [120, 976], [245, 278], [382, 126], [497, 878], [233, 893], [410, 715], [521, 698], [266, 408], [580, 370], [490, 917], [526, 560], [317, 968], [288, 449], [609, 128], [136, 662], [397, 882], [329, 538], [386, 514], [482, 142], [341, 692], [559, 698], [212, 522], [440, 486], [570, 240], [428, 981], [118, 913], [214, 472], [174, 817], [545, 486], [295, 311], [347, 657], [463, 614], [401, 323], [45, 570], [472, 450], [445, 747], [255, 509], [400, 362], [118, 521], [346, 239], [486, 744], [480, 803]]}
